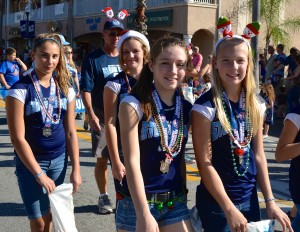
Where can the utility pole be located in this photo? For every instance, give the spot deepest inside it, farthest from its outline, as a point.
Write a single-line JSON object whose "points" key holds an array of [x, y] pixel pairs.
{"points": [[2, 7], [70, 23], [27, 12], [254, 40], [218, 15]]}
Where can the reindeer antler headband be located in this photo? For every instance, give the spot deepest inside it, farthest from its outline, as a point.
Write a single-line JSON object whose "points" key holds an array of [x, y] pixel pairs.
{"points": [[224, 27]]}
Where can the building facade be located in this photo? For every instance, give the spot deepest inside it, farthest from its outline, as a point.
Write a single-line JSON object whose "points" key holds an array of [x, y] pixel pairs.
{"points": [[81, 21]]}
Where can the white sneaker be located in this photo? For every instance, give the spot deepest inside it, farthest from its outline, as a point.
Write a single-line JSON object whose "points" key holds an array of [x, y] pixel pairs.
{"points": [[105, 205], [265, 136]]}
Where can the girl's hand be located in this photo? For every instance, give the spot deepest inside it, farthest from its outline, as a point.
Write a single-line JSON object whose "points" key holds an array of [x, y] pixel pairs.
{"points": [[94, 123], [146, 223], [46, 182], [118, 171], [236, 220], [76, 180], [274, 212]]}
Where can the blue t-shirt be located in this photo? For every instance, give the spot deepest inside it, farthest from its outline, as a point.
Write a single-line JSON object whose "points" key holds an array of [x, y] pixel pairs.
{"points": [[119, 85], [45, 148], [291, 63], [238, 188], [151, 153], [281, 58], [11, 71], [97, 69]]}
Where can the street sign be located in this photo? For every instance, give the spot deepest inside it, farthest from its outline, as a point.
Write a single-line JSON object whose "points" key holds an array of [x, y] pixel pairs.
{"points": [[31, 29]]}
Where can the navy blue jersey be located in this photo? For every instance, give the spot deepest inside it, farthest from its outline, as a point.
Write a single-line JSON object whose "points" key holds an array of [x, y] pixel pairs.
{"points": [[97, 69], [119, 85], [238, 188], [151, 153], [45, 148], [294, 173]]}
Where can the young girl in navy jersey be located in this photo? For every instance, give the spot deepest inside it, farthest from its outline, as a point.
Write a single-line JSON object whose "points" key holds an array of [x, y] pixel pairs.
{"points": [[40, 115], [133, 48], [154, 121], [288, 148], [227, 137]]}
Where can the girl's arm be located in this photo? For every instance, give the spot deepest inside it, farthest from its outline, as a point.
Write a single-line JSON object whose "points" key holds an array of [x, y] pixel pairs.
{"points": [[21, 63], [72, 145], [130, 144], [3, 81], [201, 128], [16, 126], [204, 70], [110, 115], [286, 148], [295, 74], [264, 183], [271, 104], [183, 170], [76, 80]]}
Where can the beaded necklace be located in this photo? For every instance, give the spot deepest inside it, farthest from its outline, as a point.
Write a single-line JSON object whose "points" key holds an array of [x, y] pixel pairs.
{"points": [[173, 148], [238, 141], [53, 86]]}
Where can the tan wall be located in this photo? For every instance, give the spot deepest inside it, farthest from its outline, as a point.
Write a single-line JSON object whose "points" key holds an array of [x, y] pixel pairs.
{"points": [[200, 17], [292, 10]]}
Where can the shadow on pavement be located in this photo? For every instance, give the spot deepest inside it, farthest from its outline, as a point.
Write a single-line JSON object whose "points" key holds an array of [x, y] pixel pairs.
{"points": [[275, 130], [88, 209], [193, 173], [7, 163], [12, 210], [3, 121], [3, 132], [2, 145]]}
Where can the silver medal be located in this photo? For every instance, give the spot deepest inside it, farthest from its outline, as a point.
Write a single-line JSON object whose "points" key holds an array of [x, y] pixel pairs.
{"points": [[47, 131], [165, 165]]}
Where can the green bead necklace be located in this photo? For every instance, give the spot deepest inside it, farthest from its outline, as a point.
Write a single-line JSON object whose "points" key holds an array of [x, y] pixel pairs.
{"points": [[237, 149]]}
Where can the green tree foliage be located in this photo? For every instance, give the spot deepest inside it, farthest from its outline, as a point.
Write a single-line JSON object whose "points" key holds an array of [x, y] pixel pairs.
{"points": [[276, 22]]}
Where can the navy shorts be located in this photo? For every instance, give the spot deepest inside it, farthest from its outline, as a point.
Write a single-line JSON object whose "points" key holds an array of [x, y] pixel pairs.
{"points": [[34, 196], [213, 216]]}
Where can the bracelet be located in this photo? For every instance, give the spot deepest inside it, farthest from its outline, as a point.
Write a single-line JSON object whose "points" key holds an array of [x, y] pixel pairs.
{"points": [[269, 199], [37, 175]]}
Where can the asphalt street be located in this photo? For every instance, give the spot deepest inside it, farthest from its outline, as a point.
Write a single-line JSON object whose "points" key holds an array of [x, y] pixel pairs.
{"points": [[13, 216]]}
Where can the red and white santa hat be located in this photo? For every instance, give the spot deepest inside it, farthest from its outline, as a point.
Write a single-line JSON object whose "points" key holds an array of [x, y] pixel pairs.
{"points": [[133, 34]]}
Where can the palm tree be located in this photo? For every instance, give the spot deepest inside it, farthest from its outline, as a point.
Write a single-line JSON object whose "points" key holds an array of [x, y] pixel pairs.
{"points": [[141, 18], [277, 28]]}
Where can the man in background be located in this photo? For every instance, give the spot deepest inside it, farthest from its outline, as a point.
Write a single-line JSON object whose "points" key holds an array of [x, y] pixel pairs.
{"points": [[97, 68]]}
